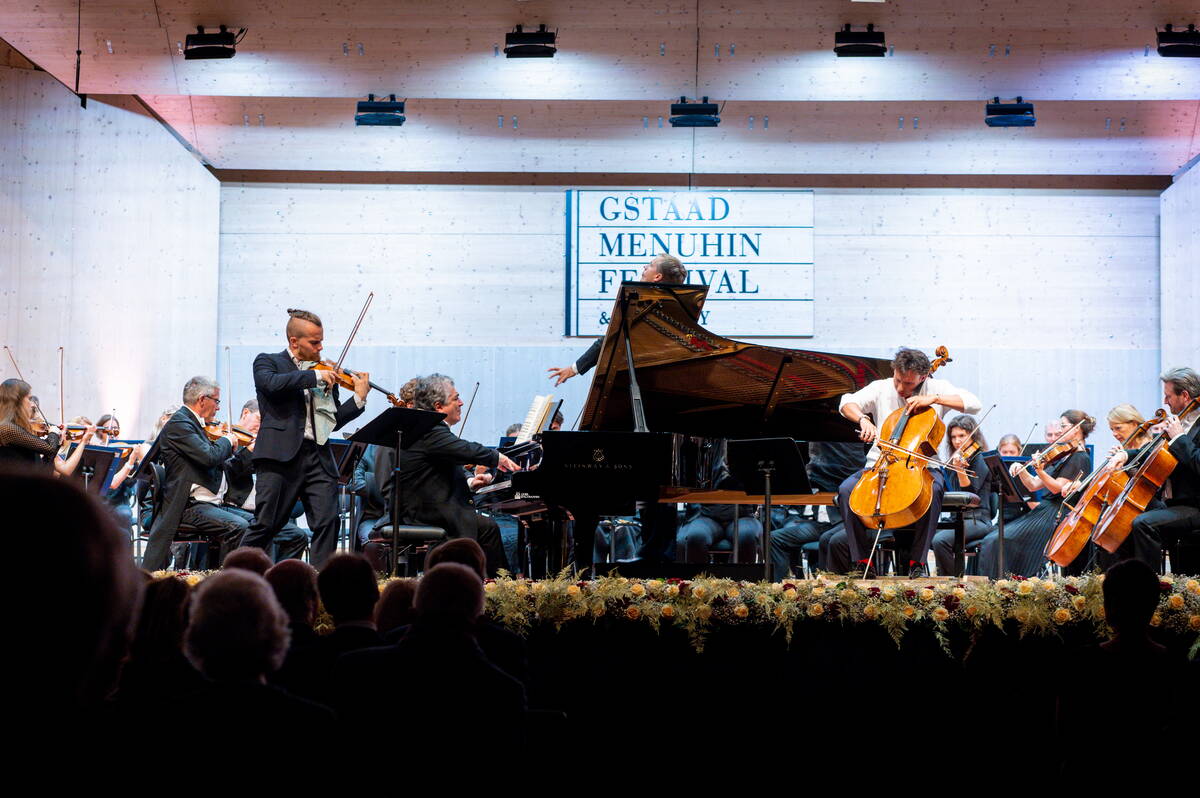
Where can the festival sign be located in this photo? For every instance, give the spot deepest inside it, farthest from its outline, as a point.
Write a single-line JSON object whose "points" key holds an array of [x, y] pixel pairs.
{"points": [[754, 249]]}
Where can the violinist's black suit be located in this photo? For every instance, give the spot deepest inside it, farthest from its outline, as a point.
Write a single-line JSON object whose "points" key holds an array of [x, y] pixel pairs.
{"points": [[289, 463]]}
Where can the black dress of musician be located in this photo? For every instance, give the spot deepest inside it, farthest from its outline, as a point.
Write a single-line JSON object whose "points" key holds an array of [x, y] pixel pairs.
{"points": [[1025, 539], [432, 483], [977, 523], [19, 446], [300, 410]]}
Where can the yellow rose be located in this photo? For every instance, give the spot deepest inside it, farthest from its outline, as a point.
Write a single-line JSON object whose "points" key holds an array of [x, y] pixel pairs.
{"points": [[776, 587], [1002, 584], [888, 594], [1156, 620], [1025, 588], [1049, 587], [672, 590], [818, 591], [1021, 614], [972, 610], [704, 612], [598, 609], [940, 613], [871, 612], [654, 584], [632, 612], [926, 594], [815, 610], [778, 612], [790, 593], [668, 611], [490, 587], [1175, 602], [849, 595], [539, 587], [1079, 603], [733, 593], [621, 580], [194, 579], [958, 592], [521, 590], [741, 610], [699, 592], [1192, 586], [761, 598], [573, 591], [1194, 622], [1062, 615], [908, 611], [637, 590]]}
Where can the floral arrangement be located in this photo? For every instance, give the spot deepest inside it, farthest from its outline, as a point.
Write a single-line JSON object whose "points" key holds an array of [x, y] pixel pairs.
{"points": [[1036, 606]]}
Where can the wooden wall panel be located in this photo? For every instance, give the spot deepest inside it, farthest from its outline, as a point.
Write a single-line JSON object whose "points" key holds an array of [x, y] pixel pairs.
{"points": [[1047, 299], [108, 247], [1181, 272]]}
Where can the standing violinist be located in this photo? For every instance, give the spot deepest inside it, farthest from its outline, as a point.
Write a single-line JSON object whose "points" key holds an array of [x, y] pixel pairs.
{"points": [[194, 486], [1175, 515], [910, 387], [19, 440], [300, 410], [1025, 538], [969, 445]]}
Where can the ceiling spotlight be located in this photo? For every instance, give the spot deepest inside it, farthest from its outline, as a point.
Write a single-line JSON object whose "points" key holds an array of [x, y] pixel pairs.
{"points": [[701, 114], [537, 44], [1179, 43], [1015, 114], [859, 43], [383, 113], [201, 45]]}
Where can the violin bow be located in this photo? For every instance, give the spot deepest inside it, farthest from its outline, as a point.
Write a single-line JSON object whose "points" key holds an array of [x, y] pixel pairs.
{"points": [[229, 386], [353, 332], [463, 424], [1027, 437], [21, 377], [971, 434], [61, 393]]}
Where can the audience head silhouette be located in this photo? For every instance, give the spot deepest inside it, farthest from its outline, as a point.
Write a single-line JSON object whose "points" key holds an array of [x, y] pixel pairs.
{"points": [[295, 586], [238, 630], [248, 558], [395, 607], [163, 618], [348, 588], [464, 551], [449, 596], [1131, 594]]}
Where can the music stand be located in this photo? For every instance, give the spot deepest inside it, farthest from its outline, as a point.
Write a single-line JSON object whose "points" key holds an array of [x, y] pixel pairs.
{"points": [[95, 469], [1006, 491], [397, 428], [763, 465]]}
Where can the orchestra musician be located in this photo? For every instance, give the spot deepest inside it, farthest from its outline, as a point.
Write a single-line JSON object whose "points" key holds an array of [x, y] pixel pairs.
{"points": [[1026, 537], [300, 410], [911, 387], [433, 484], [20, 444], [195, 482], [1009, 446], [659, 523], [977, 523], [1175, 514], [1122, 421]]}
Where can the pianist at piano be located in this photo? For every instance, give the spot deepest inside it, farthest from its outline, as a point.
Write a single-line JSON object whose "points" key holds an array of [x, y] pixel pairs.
{"points": [[433, 484]]}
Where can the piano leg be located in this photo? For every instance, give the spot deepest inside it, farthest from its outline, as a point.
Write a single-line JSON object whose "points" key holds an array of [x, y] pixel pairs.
{"points": [[660, 524]]}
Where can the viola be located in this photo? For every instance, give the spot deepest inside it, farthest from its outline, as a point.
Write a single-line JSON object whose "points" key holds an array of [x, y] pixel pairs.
{"points": [[215, 430], [898, 489], [1155, 465], [1100, 488]]}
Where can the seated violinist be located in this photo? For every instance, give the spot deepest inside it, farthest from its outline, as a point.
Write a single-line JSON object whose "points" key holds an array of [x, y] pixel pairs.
{"points": [[911, 387], [195, 483], [20, 441], [1174, 515], [291, 541]]}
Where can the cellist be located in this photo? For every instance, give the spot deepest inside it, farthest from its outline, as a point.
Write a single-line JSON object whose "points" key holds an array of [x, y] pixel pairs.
{"points": [[1175, 514], [909, 386]]}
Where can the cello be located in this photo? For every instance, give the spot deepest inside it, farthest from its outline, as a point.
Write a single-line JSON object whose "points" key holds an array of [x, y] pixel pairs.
{"points": [[1156, 466], [1106, 482], [898, 489]]}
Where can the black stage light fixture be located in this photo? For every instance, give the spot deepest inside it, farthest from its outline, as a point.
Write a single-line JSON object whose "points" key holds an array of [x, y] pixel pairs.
{"points": [[859, 43], [701, 114], [536, 44], [1179, 43], [383, 113], [201, 45], [1015, 114]]}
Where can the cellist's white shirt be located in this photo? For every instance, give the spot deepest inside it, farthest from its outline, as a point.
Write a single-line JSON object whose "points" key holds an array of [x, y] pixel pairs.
{"points": [[880, 399]]}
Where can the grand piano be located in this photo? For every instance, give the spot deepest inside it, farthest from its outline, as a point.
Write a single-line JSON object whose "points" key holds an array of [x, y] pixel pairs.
{"points": [[665, 396]]}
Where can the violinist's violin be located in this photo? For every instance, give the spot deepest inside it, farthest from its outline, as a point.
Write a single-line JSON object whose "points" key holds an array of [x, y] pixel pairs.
{"points": [[215, 430], [345, 379]]}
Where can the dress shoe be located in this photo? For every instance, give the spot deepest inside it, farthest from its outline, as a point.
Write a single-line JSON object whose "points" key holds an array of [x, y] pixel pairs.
{"points": [[917, 571]]}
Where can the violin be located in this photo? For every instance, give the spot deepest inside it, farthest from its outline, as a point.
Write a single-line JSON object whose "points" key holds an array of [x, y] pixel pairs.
{"points": [[1156, 465], [71, 432], [1052, 453], [345, 378], [215, 430], [898, 489], [1107, 482]]}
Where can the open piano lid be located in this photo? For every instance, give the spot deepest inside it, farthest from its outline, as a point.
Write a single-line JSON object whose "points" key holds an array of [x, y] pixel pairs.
{"points": [[698, 383]]}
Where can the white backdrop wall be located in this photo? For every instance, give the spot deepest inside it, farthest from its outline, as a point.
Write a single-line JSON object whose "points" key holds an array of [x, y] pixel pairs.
{"points": [[108, 248], [1047, 300], [1181, 272]]}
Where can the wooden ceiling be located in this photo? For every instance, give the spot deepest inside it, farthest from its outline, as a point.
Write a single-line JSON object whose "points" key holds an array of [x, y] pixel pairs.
{"points": [[1105, 105]]}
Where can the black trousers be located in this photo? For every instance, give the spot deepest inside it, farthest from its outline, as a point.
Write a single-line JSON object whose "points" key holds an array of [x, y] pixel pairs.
{"points": [[860, 538], [308, 476], [227, 524], [1160, 526]]}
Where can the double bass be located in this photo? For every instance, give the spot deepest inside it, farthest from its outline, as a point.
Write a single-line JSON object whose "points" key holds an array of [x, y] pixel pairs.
{"points": [[1100, 488], [898, 489], [1155, 467]]}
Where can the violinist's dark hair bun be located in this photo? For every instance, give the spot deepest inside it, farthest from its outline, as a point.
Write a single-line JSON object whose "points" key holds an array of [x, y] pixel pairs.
{"points": [[303, 315]]}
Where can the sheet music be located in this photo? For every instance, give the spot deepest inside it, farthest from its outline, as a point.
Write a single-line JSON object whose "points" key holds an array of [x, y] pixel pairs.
{"points": [[535, 419]]}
